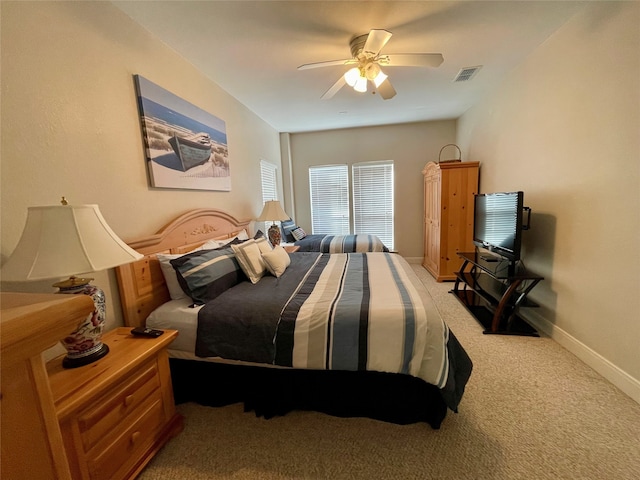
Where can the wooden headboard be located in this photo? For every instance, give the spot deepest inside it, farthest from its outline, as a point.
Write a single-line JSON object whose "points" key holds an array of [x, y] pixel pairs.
{"points": [[141, 284]]}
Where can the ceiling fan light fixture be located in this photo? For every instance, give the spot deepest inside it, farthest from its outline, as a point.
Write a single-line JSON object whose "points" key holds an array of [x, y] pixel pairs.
{"points": [[351, 77], [366, 60], [381, 77], [372, 70], [361, 85]]}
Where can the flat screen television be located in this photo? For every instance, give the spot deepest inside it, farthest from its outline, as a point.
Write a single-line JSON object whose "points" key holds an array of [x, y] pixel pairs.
{"points": [[498, 223]]}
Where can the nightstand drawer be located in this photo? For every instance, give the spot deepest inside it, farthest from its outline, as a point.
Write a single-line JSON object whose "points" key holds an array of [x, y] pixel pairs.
{"points": [[121, 454], [112, 412]]}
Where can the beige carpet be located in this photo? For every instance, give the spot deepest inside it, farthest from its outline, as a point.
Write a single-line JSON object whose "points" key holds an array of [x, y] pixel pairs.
{"points": [[532, 410]]}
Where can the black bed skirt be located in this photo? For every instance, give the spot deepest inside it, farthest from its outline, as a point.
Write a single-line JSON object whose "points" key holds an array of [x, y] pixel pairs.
{"points": [[270, 392]]}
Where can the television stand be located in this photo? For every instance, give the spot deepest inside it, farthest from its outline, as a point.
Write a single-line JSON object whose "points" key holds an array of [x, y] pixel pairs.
{"points": [[493, 292]]}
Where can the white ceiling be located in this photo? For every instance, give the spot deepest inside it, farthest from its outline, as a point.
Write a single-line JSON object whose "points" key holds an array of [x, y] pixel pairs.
{"points": [[252, 50]]}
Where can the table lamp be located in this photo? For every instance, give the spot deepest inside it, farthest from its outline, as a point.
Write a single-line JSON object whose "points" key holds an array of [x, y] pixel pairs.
{"points": [[273, 212], [62, 240]]}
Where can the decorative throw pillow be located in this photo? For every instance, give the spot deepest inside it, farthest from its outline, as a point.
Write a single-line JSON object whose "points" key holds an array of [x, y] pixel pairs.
{"points": [[263, 245], [299, 233], [169, 273], [276, 261], [205, 274], [250, 259], [288, 226]]}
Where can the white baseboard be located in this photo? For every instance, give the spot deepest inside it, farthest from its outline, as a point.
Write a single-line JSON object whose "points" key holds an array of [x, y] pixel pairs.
{"points": [[620, 378], [413, 259]]}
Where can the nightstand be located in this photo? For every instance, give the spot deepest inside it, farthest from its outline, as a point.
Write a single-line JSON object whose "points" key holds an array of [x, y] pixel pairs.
{"points": [[291, 248], [117, 412]]}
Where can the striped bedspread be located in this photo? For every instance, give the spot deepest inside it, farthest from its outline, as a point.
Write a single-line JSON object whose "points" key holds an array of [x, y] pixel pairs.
{"points": [[351, 243], [363, 312]]}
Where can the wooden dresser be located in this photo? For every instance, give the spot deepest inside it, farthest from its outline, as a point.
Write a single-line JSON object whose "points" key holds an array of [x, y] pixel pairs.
{"points": [[116, 413], [32, 446], [104, 420], [449, 188]]}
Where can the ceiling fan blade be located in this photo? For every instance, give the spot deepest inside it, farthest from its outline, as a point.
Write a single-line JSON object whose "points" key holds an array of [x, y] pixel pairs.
{"points": [[330, 63], [334, 89], [376, 40], [411, 60], [386, 90]]}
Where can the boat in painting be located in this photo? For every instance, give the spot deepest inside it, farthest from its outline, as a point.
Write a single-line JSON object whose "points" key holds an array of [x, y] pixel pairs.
{"points": [[192, 151]]}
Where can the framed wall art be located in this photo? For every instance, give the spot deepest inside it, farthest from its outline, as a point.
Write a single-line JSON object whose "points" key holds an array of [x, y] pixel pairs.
{"points": [[185, 146]]}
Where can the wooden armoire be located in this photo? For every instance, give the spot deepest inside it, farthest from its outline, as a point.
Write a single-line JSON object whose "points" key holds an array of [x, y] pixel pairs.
{"points": [[449, 188]]}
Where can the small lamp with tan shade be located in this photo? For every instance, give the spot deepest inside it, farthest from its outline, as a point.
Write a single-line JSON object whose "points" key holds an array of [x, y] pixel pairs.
{"points": [[62, 240]]}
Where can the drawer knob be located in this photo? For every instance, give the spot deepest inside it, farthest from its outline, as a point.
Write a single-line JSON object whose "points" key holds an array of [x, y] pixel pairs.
{"points": [[134, 437], [128, 400]]}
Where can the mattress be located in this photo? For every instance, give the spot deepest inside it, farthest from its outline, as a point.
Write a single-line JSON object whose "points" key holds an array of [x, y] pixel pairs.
{"points": [[177, 315], [181, 315]]}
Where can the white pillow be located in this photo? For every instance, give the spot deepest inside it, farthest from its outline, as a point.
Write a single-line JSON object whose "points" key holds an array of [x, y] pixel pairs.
{"points": [[276, 261], [170, 277], [242, 235], [211, 244], [264, 245], [250, 259]]}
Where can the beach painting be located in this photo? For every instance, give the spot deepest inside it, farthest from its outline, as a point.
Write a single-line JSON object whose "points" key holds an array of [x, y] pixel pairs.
{"points": [[185, 146]]}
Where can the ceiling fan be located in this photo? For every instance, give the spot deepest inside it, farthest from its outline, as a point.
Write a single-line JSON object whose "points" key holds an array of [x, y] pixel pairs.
{"points": [[367, 60]]}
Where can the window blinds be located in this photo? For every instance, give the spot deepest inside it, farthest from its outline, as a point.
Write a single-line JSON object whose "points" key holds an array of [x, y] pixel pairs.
{"points": [[329, 191], [373, 200], [269, 181], [268, 176]]}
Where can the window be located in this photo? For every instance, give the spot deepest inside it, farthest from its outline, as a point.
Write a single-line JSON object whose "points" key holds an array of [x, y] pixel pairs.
{"points": [[268, 175], [329, 190], [373, 200], [269, 179]]}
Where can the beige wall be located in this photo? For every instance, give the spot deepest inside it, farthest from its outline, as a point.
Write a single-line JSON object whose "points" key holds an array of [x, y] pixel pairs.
{"points": [[410, 146], [70, 124], [565, 128]]}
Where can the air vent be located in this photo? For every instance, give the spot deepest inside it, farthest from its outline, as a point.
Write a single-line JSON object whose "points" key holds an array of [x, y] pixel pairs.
{"points": [[467, 74]]}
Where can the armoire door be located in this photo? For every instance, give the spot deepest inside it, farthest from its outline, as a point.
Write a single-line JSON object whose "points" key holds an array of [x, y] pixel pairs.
{"points": [[432, 222]]}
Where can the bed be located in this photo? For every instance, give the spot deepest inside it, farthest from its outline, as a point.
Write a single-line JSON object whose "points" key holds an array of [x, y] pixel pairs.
{"points": [[293, 234], [272, 345]]}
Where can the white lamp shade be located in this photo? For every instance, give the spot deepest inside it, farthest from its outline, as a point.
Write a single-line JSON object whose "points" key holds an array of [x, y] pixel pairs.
{"points": [[272, 212], [65, 240]]}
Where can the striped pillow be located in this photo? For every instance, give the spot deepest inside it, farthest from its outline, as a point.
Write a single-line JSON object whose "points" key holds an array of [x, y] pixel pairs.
{"points": [[299, 233], [205, 274], [288, 226], [249, 257]]}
